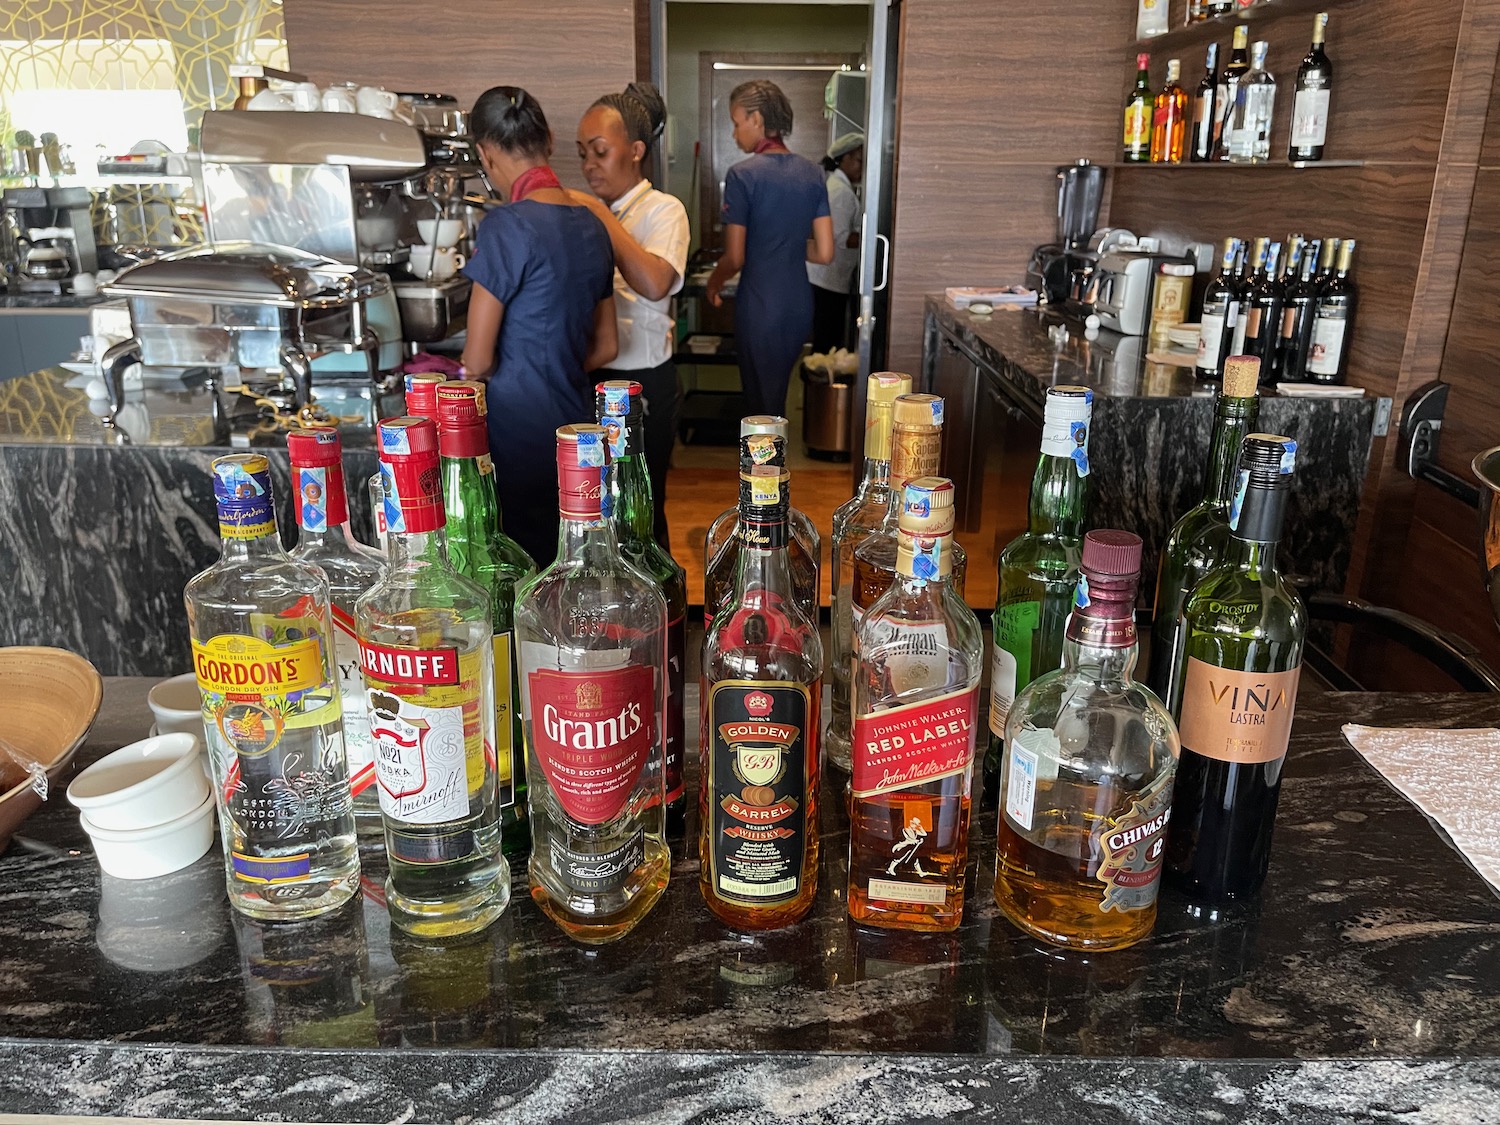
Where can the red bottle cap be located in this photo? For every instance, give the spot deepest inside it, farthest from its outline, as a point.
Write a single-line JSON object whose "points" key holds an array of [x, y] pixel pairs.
{"points": [[582, 464], [1104, 604], [461, 420], [1142, 61], [318, 477], [409, 474], [421, 394], [315, 447]]}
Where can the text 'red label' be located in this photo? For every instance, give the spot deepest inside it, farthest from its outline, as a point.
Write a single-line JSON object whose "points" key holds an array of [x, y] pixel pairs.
{"points": [[593, 733], [914, 745], [409, 665]]}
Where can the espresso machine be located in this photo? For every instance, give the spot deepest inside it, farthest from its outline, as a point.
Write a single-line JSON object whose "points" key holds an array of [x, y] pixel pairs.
{"points": [[48, 237], [1054, 267]]}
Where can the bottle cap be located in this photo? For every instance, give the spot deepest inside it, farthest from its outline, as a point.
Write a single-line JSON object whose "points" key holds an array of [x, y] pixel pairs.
{"points": [[1174, 69], [461, 415], [409, 477], [923, 542], [1065, 424], [617, 397], [582, 462], [242, 491], [916, 438], [421, 394], [1104, 602], [1266, 465], [1242, 35], [1113, 553], [764, 424], [917, 410], [1268, 458], [315, 447], [317, 477], [1241, 376], [1142, 61], [887, 386]]}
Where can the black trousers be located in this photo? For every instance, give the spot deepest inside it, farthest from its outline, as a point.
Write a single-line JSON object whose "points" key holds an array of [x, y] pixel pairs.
{"points": [[663, 394], [830, 319]]}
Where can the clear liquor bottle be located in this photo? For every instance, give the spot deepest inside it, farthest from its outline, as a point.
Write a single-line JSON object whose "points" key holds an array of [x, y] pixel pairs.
{"points": [[425, 646], [421, 402], [722, 547], [325, 541], [917, 663], [1245, 631], [258, 618], [1234, 70], [1199, 541], [591, 628], [632, 509], [1254, 109], [865, 512], [762, 687], [1039, 568], [481, 551], [1086, 792]]}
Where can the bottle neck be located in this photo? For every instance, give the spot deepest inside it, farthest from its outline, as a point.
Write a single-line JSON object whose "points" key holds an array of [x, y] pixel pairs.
{"points": [[1056, 504], [1102, 664], [411, 550], [1233, 419], [265, 546], [339, 539], [1255, 528], [877, 475], [633, 509]]}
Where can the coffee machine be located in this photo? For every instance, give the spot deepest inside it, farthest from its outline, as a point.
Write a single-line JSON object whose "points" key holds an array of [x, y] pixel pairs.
{"points": [[1051, 271], [49, 237]]}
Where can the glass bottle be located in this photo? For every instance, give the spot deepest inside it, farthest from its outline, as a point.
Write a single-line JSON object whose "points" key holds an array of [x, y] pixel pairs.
{"points": [[591, 628], [1263, 314], [1245, 629], [1245, 280], [1169, 118], [326, 542], [481, 551], [917, 662], [1254, 108], [721, 551], [1137, 138], [1312, 92], [1039, 568], [1328, 351], [1297, 316], [762, 688], [1221, 314], [425, 645], [1234, 70], [853, 521], [1086, 790], [259, 618], [1205, 110], [1199, 541], [620, 412], [421, 402]]}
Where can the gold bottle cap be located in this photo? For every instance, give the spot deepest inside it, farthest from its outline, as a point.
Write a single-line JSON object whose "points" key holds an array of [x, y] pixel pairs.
{"points": [[1241, 374], [878, 430], [917, 437], [924, 543], [917, 410], [887, 386]]}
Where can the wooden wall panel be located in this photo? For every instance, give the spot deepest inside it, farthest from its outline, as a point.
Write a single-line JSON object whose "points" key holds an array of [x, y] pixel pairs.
{"points": [[1471, 363], [566, 54]]}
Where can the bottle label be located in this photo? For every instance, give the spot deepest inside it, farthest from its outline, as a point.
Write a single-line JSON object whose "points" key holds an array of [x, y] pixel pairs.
{"points": [[675, 733], [1239, 717], [1252, 322], [1137, 127], [1327, 349], [1020, 786], [1015, 627], [248, 668], [914, 453], [244, 501], [1067, 437], [357, 742], [760, 772], [1210, 337], [321, 502], [598, 873], [429, 847], [507, 768], [1310, 118], [1131, 849], [1289, 322], [429, 745], [593, 733], [904, 747]]}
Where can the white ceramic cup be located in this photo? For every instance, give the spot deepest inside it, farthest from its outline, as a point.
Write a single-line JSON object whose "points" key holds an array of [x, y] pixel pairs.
{"points": [[306, 97], [339, 99], [376, 101], [177, 706], [145, 853], [444, 262], [143, 785], [444, 233]]}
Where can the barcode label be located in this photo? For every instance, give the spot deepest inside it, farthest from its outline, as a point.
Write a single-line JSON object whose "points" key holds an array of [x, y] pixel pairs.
{"points": [[1020, 787]]}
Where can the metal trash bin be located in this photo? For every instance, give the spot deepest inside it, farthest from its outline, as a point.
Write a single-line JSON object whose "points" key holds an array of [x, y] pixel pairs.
{"points": [[825, 414]]}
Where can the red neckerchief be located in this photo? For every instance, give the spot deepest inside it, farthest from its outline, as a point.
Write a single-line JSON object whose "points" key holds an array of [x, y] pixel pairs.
{"points": [[770, 144], [533, 179]]}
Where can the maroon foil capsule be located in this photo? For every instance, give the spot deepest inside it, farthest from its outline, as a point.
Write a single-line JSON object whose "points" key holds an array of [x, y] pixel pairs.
{"points": [[582, 461], [1104, 605]]}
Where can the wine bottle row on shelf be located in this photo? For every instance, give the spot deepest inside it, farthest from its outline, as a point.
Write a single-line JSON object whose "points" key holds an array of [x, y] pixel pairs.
{"points": [[476, 696], [1233, 109]]}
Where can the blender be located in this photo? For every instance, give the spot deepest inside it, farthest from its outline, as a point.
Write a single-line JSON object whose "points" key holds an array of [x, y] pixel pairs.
{"points": [[1080, 189]]}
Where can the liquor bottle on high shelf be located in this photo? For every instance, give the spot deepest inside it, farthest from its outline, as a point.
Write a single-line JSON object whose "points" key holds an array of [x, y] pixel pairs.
{"points": [[1221, 314], [1137, 134], [1246, 278], [853, 522], [484, 554], [1169, 118], [1234, 70], [592, 633], [1297, 315], [1263, 314], [1039, 568], [1333, 315], [917, 661], [258, 618], [1205, 110], [722, 548], [1197, 11], [425, 643], [1245, 628], [632, 510], [1220, 7], [1199, 541], [1254, 109], [762, 686], [1310, 101], [421, 402], [326, 542], [1086, 790]]}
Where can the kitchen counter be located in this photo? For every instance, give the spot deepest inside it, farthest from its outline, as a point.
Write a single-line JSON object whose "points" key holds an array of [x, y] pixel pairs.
{"points": [[1365, 984], [35, 301]]}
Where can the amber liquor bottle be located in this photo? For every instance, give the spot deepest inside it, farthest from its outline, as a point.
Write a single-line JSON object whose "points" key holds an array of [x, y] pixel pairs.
{"points": [[917, 661], [762, 686]]}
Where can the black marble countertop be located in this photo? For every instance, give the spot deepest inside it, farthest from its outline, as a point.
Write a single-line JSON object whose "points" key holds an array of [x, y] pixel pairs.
{"points": [[33, 301], [1365, 986]]}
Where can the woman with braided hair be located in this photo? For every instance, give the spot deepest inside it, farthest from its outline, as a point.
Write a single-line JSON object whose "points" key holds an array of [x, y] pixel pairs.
{"points": [[776, 220]]}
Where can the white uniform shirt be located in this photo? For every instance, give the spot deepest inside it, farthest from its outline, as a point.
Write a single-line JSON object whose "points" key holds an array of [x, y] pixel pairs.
{"points": [[844, 206], [659, 222]]}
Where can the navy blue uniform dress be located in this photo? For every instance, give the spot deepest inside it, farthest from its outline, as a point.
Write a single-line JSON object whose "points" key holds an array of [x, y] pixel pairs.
{"points": [[550, 265], [775, 196]]}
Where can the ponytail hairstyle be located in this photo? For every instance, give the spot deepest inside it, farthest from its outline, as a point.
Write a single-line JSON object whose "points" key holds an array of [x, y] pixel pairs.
{"points": [[765, 98], [512, 120], [641, 109], [830, 165]]}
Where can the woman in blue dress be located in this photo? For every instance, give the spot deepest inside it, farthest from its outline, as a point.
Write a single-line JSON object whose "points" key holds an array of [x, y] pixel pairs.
{"points": [[541, 315], [776, 220]]}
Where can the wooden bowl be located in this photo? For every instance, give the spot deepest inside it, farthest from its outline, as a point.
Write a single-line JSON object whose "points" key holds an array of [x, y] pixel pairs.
{"points": [[51, 698]]}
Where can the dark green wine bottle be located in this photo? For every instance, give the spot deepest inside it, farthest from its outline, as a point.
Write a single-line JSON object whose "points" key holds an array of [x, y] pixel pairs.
{"points": [[483, 553], [1199, 541], [618, 402], [1245, 630]]}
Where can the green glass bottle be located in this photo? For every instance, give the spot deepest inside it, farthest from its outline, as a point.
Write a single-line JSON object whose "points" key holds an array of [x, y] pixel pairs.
{"points": [[632, 511], [483, 553], [1199, 541], [1245, 630], [1039, 568]]}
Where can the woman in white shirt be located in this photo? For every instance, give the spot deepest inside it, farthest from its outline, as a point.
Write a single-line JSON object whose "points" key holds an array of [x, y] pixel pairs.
{"points": [[833, 283], [649, 232]]}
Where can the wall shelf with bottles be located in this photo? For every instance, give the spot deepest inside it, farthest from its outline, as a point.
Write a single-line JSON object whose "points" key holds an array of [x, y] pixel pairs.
{"points": [[1190, 34], [1224, 164]]}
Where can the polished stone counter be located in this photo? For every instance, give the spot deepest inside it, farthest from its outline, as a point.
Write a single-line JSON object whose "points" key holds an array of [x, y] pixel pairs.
{"points": [[1365, 986]]}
